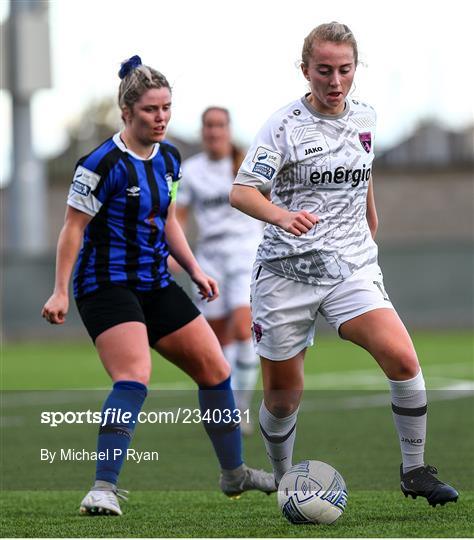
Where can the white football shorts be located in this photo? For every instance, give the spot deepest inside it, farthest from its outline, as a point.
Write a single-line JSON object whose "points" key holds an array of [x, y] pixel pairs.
{"points": [[233, 272], [284, 311]]}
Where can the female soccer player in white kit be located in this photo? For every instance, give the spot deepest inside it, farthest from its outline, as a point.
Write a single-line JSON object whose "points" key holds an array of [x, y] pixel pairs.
{"points": [[226, 245], [318, 255]]}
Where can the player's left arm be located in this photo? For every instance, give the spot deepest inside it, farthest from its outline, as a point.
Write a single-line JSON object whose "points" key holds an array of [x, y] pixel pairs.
{"points": [[180, 250], [181, 213], [371, 212]]}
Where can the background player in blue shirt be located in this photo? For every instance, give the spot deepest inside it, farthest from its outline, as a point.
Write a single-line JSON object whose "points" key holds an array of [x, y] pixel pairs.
{"points": [[121, 210]]}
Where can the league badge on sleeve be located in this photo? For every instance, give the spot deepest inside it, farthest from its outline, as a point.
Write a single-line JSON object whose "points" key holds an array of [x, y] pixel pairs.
{"points": [[267, 162], [81, 188], [84, 181], [366, 141], [81, 194]]}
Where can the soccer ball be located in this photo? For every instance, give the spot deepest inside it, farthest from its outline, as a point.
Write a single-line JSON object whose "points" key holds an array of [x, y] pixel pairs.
{"points": [[312, 492]]}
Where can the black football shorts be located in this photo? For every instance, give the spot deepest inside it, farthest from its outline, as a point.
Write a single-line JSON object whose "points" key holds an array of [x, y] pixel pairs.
{"points": [[162, 310]]}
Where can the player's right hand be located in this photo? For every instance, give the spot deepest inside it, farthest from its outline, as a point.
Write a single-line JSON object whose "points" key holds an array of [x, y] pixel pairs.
{"points": [[207, 286], [56, 308], [298, 223]]}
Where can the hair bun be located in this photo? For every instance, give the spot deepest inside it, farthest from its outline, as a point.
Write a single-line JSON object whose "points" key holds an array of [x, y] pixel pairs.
{"points": [[127, 66]]}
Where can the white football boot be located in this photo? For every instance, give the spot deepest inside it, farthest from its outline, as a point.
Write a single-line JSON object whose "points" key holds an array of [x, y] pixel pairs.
{"points": [[233, 483], [102, 500]]}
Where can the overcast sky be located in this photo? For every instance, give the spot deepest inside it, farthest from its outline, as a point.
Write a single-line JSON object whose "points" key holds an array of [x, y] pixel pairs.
{"points": [[417, 60]]}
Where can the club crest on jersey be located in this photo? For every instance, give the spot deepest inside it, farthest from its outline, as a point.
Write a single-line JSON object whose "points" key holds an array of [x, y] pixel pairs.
{"points": [[258, 331], [366, 141]]}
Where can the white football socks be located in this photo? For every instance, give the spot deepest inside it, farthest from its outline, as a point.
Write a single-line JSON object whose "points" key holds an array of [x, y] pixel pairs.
{"points": [[409, 413], [279, 437], [244, 373]]}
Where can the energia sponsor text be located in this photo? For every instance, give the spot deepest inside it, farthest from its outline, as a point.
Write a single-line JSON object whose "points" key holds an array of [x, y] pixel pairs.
{"points": [[309, 175]]}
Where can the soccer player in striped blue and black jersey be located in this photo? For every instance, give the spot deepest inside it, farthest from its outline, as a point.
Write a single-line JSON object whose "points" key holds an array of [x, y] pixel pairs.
{"points": [[121, 209]]}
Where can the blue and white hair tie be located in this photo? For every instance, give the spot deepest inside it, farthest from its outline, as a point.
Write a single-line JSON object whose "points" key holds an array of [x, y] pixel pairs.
{"points": [[130, 64]]}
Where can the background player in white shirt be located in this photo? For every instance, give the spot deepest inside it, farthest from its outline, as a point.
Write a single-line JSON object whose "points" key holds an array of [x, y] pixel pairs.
{"points": [[226, 245], [318, 255]]}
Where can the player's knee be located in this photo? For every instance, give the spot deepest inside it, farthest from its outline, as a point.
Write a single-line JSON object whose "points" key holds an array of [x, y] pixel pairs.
{"points": [[243, 332], [282, 403], [212, 373], [241, 322], [405, 372], [282, 410], [141, 375], [405, 366]]}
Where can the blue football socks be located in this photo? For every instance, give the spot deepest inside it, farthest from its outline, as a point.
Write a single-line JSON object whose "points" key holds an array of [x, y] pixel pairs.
{"points": [[119, 417], [221, 423]]}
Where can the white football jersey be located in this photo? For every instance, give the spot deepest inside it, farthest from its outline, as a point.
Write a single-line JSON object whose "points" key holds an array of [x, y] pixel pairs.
{"points": [[321, 164], [205, 187]]}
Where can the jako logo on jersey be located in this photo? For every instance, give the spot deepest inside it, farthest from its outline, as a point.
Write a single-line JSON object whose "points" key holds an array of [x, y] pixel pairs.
{"points": [[133, 191], [263, 156], [366, 141], [313, 150], [341, 175], [81, 188]]}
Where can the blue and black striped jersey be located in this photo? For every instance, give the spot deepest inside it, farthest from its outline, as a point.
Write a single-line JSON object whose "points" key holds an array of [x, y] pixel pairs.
{"points": [[128, 197]]}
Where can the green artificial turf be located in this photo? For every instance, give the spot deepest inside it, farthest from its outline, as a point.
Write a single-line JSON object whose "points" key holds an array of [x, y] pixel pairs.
{"points": [[343, 420], [210, 514]]}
